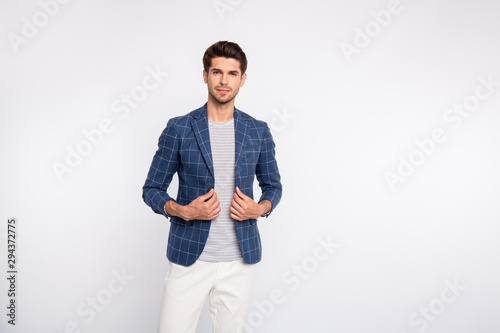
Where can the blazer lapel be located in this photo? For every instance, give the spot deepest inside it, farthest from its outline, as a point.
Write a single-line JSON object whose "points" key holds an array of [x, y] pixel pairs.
{"points": [[199, 123], [240, 131]]}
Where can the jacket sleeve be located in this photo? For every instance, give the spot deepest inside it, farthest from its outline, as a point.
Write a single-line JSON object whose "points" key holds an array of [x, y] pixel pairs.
{"points": [[163, 167], [267, 172]]}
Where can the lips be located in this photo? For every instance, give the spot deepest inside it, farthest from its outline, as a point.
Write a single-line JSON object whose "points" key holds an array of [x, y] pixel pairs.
{"points": [[224, 91]]}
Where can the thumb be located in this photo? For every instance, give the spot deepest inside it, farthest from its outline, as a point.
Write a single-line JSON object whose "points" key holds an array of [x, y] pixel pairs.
{"points": [[240, 194], [208, 194]]}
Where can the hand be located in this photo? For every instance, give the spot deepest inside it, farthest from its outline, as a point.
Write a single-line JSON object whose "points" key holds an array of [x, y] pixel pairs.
{"points": [[243, 207], [205, 207]]}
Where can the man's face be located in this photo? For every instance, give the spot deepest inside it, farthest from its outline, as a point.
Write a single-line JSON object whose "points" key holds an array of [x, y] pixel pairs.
{"points": [[224, 79]]}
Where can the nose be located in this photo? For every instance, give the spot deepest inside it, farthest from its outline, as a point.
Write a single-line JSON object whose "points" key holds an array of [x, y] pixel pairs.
{"points": [[223, 79]]}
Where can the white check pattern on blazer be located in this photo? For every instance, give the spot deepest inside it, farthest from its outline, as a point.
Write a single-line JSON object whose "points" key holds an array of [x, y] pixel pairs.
{"points": [[184, 147]]}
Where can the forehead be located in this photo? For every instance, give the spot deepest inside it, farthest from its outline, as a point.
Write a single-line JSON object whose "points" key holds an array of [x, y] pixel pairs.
{"points": [[225, 64]]}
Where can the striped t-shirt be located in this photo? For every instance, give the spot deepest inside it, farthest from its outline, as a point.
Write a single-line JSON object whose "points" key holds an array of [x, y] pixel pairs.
{"points": [[222, 242]]}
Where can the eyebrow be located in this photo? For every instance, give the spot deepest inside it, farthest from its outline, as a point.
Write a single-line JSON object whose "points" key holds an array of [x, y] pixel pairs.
{"points": [[216, 69]]}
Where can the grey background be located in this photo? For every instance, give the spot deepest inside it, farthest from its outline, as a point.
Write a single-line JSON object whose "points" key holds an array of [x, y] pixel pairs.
{"points": [[340, 124]]}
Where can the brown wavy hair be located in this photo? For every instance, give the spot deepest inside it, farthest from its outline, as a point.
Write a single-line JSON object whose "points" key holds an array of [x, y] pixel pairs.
{"points": [[227, 50]]}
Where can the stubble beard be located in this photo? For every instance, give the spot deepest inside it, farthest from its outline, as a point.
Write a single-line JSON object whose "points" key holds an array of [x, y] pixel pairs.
{"points": [[218, 100]]}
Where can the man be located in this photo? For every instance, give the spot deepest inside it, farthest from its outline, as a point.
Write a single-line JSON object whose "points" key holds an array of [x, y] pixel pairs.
{"points": [[213, 243]]}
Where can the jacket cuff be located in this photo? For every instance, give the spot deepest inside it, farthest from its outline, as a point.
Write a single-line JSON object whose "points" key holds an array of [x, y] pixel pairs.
{"points": [[268, 213], [272, 199], [160, 202], [165, 211]]}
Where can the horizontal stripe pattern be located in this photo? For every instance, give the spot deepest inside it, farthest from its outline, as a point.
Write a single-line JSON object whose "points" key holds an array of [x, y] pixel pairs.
{"points": [[222, 243]]}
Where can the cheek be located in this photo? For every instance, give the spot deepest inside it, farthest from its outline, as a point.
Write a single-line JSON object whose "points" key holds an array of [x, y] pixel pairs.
{"points": [[236, 85]]}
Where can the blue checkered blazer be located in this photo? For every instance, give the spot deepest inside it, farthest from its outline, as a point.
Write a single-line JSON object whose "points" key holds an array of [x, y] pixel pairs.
{"points": [[184, 147]]}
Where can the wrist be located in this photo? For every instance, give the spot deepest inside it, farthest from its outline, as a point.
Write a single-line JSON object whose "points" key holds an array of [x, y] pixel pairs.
{"points": [[172, 208], [182, 212], [168, 209], [265, 207]]}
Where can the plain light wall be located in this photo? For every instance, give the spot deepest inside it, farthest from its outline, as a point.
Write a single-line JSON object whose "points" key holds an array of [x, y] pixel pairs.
{"points": [[387, 135]]}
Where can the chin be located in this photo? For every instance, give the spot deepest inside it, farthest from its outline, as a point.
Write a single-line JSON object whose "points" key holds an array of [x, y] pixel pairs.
{"points": [[222, 101]]}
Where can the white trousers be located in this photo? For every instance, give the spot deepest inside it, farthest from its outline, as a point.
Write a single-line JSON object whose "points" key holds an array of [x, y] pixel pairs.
{"points": [[228, 285]]}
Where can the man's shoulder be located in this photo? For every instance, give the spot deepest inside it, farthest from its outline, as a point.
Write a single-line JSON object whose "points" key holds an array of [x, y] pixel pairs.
{"points": [[254, 122], [183, 120]]}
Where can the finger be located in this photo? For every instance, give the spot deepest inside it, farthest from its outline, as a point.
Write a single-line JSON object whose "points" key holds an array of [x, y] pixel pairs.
{"points": [[240, 194], [214, 205], [207, 195], [236, 217], [214, 201], [237, 198], [212, 198], [237, 205], [214, 212], [236, 202], [214, 208]]}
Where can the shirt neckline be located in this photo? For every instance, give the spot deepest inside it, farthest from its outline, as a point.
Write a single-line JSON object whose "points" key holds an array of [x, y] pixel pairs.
{"points": [[230, 121]]}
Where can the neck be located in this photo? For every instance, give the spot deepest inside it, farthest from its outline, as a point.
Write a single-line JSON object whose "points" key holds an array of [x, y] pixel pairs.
{"points": [[219, 113]]}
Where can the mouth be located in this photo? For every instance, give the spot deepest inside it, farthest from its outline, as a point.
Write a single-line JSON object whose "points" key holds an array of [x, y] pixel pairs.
{"points": [[223, 91]]}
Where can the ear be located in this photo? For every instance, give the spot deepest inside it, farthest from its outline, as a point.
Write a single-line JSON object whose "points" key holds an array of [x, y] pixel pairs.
{"points": [[205, 76], [243, 78]]}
